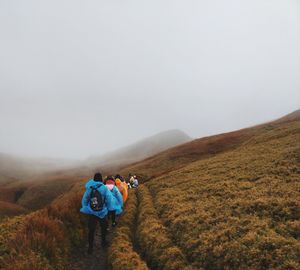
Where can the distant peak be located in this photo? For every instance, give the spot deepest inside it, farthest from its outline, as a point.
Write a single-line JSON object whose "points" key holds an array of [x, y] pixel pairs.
{"points": [[174, 132]]}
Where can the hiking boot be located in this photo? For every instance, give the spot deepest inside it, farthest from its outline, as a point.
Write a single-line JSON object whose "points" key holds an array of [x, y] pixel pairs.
{"points": [[90, 250]]}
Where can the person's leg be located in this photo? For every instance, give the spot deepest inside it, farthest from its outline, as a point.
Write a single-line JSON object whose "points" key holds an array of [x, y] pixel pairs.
{"points": [[113, 218], [91, 226], [103, 225]]}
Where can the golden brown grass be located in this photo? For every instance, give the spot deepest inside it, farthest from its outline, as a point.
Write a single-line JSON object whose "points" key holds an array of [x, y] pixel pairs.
{"points": [[43, 239], [153, 238], [239, 209], [224, 202], [122, 255], [203, 148], [180, 156]]}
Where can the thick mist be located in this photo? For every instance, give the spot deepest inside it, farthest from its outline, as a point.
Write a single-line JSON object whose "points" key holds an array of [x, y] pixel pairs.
{"points": [[81, 78]]}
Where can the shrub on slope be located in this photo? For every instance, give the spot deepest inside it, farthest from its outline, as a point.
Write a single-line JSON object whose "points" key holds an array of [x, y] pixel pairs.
{"points": [[42, 240], [121, 252]]}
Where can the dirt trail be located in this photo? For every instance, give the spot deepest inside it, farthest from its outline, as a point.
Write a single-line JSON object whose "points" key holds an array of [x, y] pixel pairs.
{"points": [[81, 260]]}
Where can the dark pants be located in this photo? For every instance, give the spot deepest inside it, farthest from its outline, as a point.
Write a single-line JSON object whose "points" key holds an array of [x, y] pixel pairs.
{"points": [[92, 227], [112, 216]]}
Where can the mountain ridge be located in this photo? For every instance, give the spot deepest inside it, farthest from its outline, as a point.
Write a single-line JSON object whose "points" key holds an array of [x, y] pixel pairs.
{"points": [[141, 149]]}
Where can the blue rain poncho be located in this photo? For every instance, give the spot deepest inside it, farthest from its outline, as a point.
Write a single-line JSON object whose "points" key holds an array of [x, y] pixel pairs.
{"points": [[107, 197], [117, 201]]}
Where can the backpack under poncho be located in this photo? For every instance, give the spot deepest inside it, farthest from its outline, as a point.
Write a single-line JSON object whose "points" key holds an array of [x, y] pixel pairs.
{"points": [[96, 202]]}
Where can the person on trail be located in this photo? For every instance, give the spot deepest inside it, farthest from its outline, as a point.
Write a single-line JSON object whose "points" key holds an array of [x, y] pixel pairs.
{"points": [[128, 185], [131, 180], [135, 182], [117, 202], [96, 202], [123, 181], [121, 188]]}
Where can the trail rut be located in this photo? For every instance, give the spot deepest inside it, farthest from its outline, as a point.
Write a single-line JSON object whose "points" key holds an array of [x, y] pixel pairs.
{"points": [[81, 260]]}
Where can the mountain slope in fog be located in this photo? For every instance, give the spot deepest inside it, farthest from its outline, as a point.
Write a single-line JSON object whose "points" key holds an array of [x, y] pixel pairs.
{"points": [[244, 183], [140, 150], [33, 183], [13, 168], [177, 157]]}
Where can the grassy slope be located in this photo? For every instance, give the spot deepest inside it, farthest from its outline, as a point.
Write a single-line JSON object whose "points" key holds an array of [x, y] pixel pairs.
{"points": [[10, 209], [183, 155], [236, 202], [43, 239], [40, 194], [203, 148], [33, 195], [240, 208]]}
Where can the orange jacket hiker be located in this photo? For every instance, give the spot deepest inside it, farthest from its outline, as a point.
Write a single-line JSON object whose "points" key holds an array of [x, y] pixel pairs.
{"points": [[122, 189], [125, 185]]}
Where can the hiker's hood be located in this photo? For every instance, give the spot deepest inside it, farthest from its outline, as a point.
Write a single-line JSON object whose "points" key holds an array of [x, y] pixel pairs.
{"points": [[111, 182], [118, 182], [92, 183]]}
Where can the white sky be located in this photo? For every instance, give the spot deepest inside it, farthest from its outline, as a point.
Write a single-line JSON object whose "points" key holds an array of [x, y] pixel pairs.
{"points": [[80, 78]]}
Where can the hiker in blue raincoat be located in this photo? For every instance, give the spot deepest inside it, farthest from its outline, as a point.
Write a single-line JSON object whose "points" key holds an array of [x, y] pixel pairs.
{"points": [[96, 202], [117, 205]]}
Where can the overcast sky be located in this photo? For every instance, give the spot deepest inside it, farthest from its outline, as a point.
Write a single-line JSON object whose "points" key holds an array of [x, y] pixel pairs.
{"points": [[79, 78]]}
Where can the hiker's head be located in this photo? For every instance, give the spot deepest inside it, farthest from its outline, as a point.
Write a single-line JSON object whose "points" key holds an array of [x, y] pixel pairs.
{"points": [[118, 182], [118, 176], [98, 177], [110, 178]]}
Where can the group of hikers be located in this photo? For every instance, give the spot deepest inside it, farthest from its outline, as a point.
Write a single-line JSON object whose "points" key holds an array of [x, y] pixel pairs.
{"points": [[102, 201]]}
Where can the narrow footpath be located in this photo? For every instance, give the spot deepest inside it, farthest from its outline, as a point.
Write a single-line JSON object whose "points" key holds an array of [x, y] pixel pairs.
{"points": [[81, 260]]}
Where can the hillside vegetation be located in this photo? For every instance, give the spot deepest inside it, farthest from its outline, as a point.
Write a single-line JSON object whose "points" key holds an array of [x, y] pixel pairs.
{"points": [[32, 184], [42, 239], [239, 209], [122, 254], [10, 209], [184, 154], [229, 201]]}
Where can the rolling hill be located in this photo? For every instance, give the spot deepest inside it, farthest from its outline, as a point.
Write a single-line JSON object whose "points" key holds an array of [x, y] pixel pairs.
{"points": [[176, 157], [11, 209], [34, 183], [229, 201], [237, 209], [31, 183], [139, 150]]}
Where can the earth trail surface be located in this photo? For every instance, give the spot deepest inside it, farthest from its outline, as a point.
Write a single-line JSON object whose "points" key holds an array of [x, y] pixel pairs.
{"points": [[81, 260]]}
